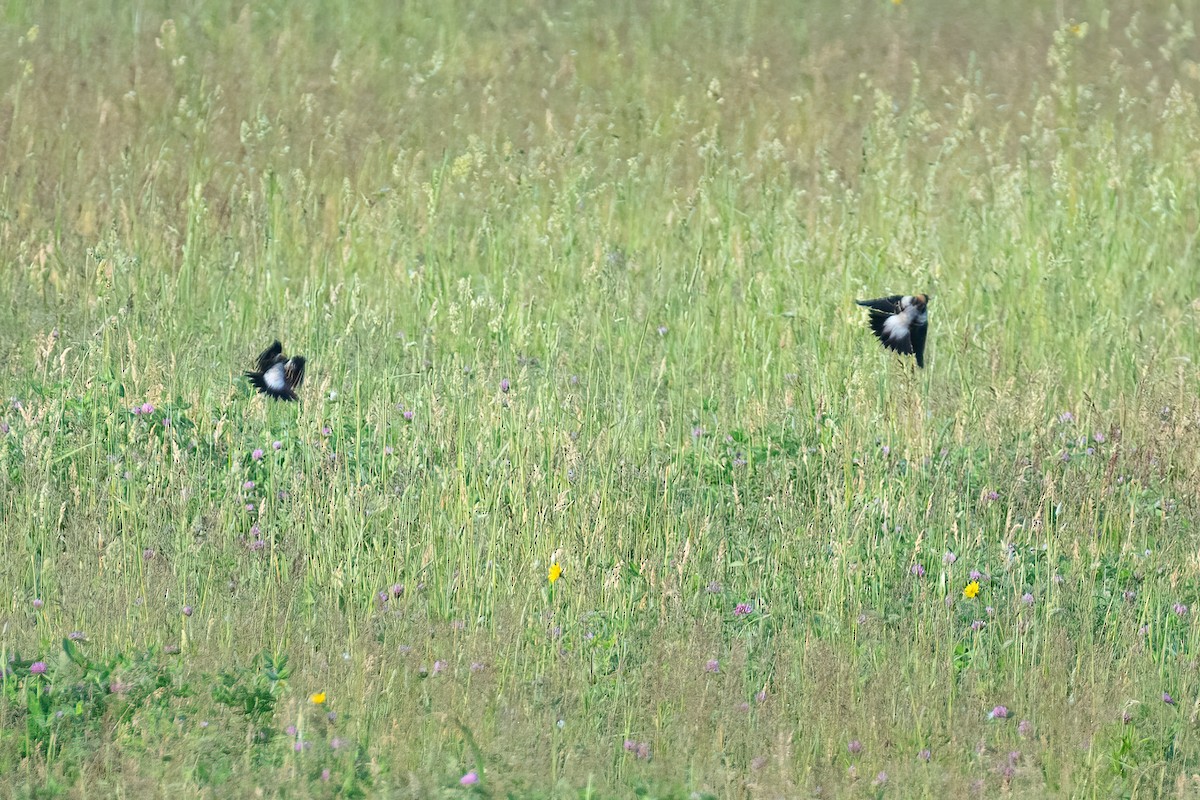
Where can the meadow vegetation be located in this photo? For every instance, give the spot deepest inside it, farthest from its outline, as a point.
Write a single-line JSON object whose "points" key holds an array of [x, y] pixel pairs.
{"points": [[576, 286]]}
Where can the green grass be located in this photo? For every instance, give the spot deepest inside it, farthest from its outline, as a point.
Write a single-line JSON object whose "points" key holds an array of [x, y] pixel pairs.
{"points": [[652, 222]]}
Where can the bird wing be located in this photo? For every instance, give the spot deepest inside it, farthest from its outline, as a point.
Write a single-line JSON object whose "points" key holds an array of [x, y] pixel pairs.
{"points": [[883, 305], [268, 356], [917, 334], [293, 372], [902, 343]]}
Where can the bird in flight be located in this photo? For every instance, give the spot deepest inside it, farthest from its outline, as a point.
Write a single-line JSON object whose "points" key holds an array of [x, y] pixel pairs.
{"points": [[276, 374], [900, 322]]}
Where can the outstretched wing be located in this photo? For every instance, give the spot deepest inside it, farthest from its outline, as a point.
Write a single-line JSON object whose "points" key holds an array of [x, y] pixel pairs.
{"points": [[895, 337], [883, 305], [293, 372], [917, 334], [888, 324], [268, 356]]}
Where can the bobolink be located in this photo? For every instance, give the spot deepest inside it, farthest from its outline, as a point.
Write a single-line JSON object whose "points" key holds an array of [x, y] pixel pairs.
{"points": [[900, 322], [277, 375]]}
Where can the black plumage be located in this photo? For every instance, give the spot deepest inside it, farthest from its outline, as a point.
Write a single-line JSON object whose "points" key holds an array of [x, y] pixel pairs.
{"points": [[900, 322], [276, 375]]}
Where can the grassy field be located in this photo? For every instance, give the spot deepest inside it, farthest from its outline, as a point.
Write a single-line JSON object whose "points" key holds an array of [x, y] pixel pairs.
{"points": [[576, 286]]}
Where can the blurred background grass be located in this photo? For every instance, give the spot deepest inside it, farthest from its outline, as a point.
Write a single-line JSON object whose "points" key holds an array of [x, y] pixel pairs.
{"points": [[652, 223]]}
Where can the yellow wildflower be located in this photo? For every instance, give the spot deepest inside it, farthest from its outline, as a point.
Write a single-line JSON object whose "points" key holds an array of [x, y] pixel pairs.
{"points": [[317, 698], [555, 572], [972, 589]]}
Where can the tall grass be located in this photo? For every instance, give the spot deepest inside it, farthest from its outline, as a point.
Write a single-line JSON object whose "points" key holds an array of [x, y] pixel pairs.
{"points": [[576, 283]]}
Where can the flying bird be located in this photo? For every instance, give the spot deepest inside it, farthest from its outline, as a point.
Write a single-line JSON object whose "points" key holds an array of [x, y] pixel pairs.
{"points": [[276, 374], [900, 322]]}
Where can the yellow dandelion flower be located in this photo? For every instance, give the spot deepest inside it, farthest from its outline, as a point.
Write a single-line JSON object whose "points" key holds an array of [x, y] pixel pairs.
{"points": [[555, 572], [317, 698], [972, 589]]}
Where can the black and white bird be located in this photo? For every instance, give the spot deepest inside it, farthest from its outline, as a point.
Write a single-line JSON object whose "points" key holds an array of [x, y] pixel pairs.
{"points": [[276, 374], [900, 322]]}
